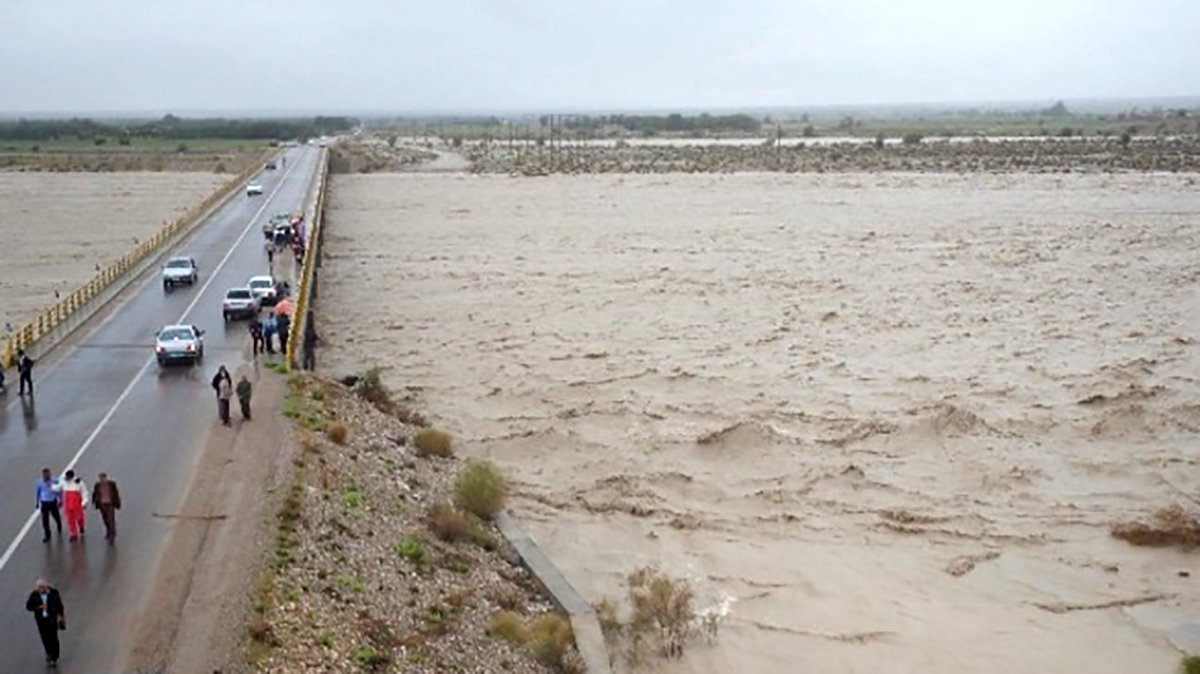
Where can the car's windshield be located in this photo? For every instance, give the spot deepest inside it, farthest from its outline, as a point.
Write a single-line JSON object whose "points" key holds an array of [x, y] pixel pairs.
{"points": [[175, 333], [238, 294], [179, 263]]}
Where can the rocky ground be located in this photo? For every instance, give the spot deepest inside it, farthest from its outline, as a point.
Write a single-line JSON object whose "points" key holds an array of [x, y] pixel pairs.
{"points": [[356, 579], [1027, 156]]}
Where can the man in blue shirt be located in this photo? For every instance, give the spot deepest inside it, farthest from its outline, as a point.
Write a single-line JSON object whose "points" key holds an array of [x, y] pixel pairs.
{"points": [[49, 494]]}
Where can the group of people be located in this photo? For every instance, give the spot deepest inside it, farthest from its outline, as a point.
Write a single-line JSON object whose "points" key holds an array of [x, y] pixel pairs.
{"points": [[222, 383], [71, 496], [262, 333], [24, 373]]}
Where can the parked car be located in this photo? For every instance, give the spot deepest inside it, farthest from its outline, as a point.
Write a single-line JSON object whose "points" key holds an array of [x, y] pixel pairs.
{"points": [[177, 270], [263, 289], [239, 303], [179, 344], [254, 189]]}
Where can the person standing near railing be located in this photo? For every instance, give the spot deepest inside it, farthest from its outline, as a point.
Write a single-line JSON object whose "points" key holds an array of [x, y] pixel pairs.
{"points": [[25, 371]]}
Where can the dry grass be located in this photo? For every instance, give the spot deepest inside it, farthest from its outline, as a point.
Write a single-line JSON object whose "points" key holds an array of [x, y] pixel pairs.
{"points": [[337, 432], [448, 523], [508, 626], [661, 620], [480, 489], [432, 442], [1171, 526], [550, 639]]}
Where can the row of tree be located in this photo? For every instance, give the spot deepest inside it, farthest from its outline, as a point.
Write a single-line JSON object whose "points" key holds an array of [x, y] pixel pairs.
{"points": [[739, 123], [171, 126]]}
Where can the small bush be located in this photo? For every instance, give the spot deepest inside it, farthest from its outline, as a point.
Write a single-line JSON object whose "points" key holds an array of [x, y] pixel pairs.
{"points": [[480, 489], [261, 632], [337, 432], [912, 139], [508, 626], [413, 549], [482, 536], [370, 387], [610, 623], [661, 607], [1190, 665], [352, 498], [432, 442], [370, 659], [549, 639], [447, 523]]}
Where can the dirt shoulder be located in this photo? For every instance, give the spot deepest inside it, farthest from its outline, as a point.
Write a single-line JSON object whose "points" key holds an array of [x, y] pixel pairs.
{"points": [[202, 589]]}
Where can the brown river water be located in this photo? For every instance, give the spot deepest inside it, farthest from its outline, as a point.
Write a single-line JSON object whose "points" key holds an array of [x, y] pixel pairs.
{"points": [[883, 422]]}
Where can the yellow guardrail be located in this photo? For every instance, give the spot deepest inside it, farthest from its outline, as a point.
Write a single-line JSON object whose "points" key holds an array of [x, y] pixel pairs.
{"points": [[60, 311], [304, 292]]}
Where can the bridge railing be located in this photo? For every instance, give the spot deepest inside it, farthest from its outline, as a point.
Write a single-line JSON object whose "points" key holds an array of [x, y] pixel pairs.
{"points": [[307, 289]]}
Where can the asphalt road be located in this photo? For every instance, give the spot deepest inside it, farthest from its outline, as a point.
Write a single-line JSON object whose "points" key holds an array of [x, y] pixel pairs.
{"points": [[103, 404]]}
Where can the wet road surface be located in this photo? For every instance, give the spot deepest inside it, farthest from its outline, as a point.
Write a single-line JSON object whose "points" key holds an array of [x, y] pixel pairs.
{"points": [[103, 404]]}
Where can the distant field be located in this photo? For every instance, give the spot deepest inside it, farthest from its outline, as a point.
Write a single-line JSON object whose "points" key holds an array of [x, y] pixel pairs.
{"points": [[144, 143], [57, 227]]}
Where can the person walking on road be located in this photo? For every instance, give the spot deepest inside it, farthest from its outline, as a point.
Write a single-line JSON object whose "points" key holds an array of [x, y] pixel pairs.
{"points": [[223, 384], [48, 498], [75, 499], [107, 498], [45, 603], [25, 371], [256, 335], [243, 394]]}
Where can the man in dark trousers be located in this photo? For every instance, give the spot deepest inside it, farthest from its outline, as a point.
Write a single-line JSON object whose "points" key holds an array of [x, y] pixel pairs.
{"points": [[243, 394], [107, 498], [285, 324], [47, 608], [310, 343], [25, 370], [49, 496]]}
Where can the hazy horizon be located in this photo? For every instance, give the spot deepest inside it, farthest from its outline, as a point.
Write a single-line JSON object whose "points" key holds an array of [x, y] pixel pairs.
{"points": [[478, 57]]}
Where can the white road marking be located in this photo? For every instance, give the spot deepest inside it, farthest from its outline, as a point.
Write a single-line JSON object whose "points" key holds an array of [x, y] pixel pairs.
{"points": [[16, 542]]}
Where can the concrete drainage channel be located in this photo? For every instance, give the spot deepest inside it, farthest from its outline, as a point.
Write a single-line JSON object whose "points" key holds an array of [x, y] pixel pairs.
{"points": [[588, 637]]}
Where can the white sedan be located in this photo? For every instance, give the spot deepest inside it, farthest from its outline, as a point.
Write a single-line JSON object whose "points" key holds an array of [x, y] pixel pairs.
{"points": [[179, 343], [254, 189]]}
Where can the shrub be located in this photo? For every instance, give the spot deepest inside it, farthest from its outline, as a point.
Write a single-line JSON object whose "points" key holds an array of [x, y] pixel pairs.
{"points": [[100, 140], [432, 442], [352, 498], [508, 626], [660, 606], [413, 549], [1190, 665], [370, 387], [549, 639], [480, 488], [482, 536], [182, 147], [447, 523], [912, 139], [261, 632], [337, 432], [370, 659]]}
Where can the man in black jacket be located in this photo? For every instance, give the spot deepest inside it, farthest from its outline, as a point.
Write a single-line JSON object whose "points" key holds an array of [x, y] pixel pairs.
{"points": [[25, 370], [47, 608]]}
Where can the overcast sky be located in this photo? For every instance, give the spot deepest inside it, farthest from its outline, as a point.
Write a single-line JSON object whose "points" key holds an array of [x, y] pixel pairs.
{"points": [[478, 55]]}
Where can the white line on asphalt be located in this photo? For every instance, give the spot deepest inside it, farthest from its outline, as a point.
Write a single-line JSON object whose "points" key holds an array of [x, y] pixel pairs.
{"points": [[16, 542]]}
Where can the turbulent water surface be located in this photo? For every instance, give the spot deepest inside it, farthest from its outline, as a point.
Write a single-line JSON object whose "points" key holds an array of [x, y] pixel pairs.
{"points": [[888, 419]]}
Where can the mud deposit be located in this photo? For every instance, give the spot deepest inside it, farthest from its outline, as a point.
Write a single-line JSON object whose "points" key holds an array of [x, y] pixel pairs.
{"points": [[885, 420], [56, 227]]}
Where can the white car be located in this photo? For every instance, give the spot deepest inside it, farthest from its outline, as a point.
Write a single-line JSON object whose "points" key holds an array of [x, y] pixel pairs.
{"points": [[253, 189], [177, 270], [179, 343], [263, 289], [239, 303]]}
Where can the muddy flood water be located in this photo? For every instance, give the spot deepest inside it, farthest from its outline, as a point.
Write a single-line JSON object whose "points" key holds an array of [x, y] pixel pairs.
{"points": [[883, 421]]}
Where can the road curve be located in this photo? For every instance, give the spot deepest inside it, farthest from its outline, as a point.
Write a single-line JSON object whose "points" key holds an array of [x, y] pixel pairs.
{"points": [[102, 404]]}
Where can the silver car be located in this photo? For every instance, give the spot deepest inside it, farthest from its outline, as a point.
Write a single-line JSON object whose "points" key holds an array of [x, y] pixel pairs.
{"points": [[263, 289], [181, 269], [239, 303], [179, 344]]}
